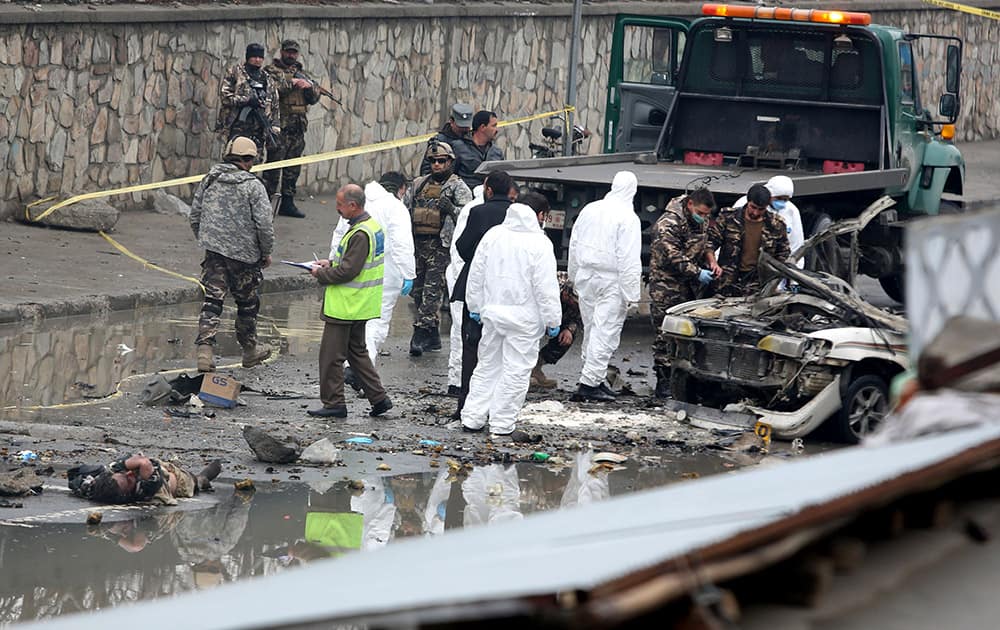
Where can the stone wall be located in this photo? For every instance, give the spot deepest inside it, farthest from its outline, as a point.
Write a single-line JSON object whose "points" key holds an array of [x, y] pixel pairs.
{"points": [[93, 100]]}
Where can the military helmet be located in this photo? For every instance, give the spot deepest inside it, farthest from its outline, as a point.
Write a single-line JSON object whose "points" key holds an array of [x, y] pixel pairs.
{"points": [[240, 146], [440, 149]]}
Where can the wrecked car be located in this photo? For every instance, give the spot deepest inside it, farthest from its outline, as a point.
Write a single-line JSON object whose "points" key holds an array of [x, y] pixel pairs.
{"points": [[805, 351]]}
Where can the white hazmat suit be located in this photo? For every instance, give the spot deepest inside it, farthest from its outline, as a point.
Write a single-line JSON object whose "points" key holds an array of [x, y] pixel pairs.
{"points": [[513, 287], [392, 215], [605, 265], [450, 276], [782, 186]]}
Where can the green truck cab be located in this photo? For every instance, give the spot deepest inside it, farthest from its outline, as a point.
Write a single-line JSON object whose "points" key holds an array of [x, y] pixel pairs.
{"points": [[745, 93]]}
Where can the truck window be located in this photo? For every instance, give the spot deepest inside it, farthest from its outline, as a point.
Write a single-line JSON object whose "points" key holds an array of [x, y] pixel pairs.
{"points": [[906, 68], [650, 55]]}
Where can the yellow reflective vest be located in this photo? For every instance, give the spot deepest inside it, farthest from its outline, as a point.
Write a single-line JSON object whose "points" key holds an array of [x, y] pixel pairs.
{"points": [[360, 298]]}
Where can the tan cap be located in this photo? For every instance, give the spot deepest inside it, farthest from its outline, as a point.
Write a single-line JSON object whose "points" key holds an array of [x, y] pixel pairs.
{"points": [[241, 146]]}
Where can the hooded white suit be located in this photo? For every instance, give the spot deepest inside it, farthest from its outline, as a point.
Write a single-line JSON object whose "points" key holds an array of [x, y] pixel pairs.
{"points": [[605, 265], [513, 286], [392, 215], [450, 276]]}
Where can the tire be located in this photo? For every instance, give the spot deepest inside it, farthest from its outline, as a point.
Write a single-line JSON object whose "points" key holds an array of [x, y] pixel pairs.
{"points": [[825, 256], [894, 286], [863, 407], [949, 208]]}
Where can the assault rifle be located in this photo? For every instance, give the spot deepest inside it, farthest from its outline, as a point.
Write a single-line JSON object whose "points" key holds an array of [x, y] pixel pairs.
{"points": [[319, 88]]}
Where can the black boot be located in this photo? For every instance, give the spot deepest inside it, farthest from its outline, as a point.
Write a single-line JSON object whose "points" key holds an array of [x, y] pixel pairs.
{"points": [[662, 383], [208, 474], [417, 341], [587, 393], [288, 209], [433, 341]]}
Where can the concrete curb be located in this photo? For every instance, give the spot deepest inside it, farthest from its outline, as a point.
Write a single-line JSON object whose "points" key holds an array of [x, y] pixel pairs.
{"points": [[36, 311]]}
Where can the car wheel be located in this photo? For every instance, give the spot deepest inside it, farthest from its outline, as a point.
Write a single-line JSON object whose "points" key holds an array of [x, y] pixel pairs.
{"points": [[864, 406], [826, 255], [894, 286]]}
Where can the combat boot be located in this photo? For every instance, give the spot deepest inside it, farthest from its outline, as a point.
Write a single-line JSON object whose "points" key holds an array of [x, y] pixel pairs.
{"points": [[433, 341], [253, 356], [289, 209], [662, 383], [208, 475], [206, 360], [417, 341], [538, 378]]}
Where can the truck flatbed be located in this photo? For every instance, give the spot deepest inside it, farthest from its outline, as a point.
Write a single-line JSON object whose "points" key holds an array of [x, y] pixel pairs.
{"points": [[601, 169]]}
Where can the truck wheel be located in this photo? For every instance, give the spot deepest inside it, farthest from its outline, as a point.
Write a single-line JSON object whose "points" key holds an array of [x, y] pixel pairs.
{"points": [[894, 286], [864, 406], [825, 256]]}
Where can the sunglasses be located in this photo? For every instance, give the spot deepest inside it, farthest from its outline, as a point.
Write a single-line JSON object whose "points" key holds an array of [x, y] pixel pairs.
{"points": [[440, 160]]}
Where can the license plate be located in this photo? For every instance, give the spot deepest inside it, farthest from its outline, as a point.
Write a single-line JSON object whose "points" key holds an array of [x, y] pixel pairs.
{"points": [[556, 220]]}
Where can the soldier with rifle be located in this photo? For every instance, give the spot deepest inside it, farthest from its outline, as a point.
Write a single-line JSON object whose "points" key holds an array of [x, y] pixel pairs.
{"points": [[248, 102], [296, 92]]}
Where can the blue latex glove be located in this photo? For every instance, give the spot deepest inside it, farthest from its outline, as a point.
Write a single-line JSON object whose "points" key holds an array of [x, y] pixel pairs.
{"points": [[705, 276], [407, 287], [552, 331], [474, 317]]}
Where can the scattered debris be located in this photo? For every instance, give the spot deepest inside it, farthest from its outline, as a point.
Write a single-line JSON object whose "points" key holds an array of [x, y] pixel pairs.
{"points": [[356, 484], [320, 452], [383, 467], [359, 440], [539, 456], [93, 215], [165, 203], [268, 449], [21, 482], [245, 485], [429, 443], [94, 518]]}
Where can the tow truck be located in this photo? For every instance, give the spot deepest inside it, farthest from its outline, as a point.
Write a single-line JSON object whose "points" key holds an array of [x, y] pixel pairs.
{"points": [[747, 92]]}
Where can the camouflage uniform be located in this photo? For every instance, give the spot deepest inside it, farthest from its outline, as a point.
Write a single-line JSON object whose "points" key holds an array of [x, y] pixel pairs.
{"points": [[433, 226], [234, 96], [676, 256], [726, 234], [293, 104], [572, 320], [231, 218]]}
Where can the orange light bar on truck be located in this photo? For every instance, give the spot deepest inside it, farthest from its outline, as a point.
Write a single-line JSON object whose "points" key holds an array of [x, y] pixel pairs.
{"points": [[791, 15]]}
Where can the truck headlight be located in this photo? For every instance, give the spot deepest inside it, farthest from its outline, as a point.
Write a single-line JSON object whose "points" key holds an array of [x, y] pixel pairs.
{"points": [[679, 326], [785, 345]]}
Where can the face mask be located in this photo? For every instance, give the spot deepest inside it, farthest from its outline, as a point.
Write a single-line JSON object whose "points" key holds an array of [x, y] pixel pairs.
{"points": [[779, 204], [697, 218]]}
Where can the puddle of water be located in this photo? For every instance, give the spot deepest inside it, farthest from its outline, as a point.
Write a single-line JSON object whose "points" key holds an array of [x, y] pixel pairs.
{"points": [[61, 568], [75, 358]]}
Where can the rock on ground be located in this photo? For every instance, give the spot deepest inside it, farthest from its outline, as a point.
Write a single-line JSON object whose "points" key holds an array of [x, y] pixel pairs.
{"points": [[94, 215]]}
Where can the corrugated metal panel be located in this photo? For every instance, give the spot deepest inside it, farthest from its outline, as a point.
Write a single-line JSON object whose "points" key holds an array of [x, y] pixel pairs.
{"points": [[573, 549]]}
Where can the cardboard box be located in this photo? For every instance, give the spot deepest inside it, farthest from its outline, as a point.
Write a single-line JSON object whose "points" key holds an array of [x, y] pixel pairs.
{"points": [[219, 390]]}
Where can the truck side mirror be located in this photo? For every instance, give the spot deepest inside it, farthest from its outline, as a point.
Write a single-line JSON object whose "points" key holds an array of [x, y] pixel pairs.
{"points": [[948, 106], [954, 70]]}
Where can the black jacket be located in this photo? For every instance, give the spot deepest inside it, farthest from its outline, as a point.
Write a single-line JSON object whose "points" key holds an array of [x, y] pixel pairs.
{"points": [[481, 219]]}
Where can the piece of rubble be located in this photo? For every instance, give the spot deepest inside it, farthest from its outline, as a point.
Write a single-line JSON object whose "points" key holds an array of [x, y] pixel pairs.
{"points": [[320, 452], [21, 482], [165, 203], [245, 485], [93, 215], [268, 449], [94, 518]]}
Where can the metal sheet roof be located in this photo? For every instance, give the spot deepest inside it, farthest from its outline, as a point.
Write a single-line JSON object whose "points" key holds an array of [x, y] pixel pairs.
{"points": [[547, 553]]}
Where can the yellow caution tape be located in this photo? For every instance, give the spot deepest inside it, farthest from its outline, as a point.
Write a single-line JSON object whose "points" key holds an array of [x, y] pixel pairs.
{"points": [[306, 159], [964, 8], [146, 263]]}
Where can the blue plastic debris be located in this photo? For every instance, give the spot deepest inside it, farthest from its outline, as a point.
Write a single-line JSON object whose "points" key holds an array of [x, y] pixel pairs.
{"points": [[429, 443], [359, 440]]}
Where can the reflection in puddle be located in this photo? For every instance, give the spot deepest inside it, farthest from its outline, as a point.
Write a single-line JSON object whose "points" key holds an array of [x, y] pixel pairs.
{"points": [[65, 568], [74, 358]]}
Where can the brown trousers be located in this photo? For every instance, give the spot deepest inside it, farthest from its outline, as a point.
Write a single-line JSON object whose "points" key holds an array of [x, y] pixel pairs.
{"points": [[346, 342]]}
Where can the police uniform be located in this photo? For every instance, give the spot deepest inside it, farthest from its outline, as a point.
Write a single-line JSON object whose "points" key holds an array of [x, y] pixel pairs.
{"points": [[676, 256], [432, 206], [241, 92], [293, 105], [727, 234]]}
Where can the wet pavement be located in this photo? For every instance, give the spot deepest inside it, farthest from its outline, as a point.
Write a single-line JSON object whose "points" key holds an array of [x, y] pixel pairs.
{"points": [[72, 397]]}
